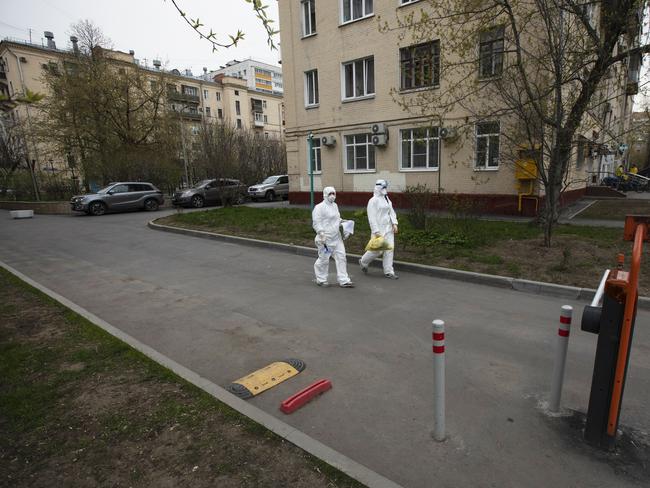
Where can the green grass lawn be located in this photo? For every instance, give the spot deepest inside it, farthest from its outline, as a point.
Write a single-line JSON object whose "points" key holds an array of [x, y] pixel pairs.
{"points": [[578, 257]]}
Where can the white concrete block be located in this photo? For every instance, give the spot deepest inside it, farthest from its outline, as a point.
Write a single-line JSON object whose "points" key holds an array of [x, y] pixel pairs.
{"points": [[22, 214]]}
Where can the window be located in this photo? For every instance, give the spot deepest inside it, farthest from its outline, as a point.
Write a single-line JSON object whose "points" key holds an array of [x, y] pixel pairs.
{"points": [[487, 145], [308, 17], [207, 111], [359, 78], [266, 119], [239, 123], [315, 154], [359, 153], [263, 103], [205, 94], [236, 93], [356, 9], [491, 53], [218, 96], [237, 107], [406, 2], [120, 189], [189, 90], [420, 65], [220, 113], [311, 88], [581, 151], [420, 148]]}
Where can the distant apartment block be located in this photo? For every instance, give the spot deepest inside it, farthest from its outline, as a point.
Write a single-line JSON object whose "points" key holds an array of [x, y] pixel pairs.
{"points": [[196, 99], [259, 76]]}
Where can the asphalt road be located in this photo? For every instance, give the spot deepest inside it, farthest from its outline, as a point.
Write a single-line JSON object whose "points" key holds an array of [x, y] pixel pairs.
{"points": [[224, 310]]}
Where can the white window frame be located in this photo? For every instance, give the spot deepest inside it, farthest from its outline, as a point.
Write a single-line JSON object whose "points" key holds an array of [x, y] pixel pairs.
{"points": [[407, 2], [205, 94], [369, 147], [237, 107], [218, 96], [308, 21], [427, 139], [364, 7], [315, 97], [490, 143], [366, 93], [318, 155]]}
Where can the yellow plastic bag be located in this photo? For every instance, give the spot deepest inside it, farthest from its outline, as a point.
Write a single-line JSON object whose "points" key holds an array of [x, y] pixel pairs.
{"points": [[378, 243]]}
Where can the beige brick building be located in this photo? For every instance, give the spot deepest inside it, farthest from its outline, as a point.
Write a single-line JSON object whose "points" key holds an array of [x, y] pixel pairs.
{"points": [[343, 76], [197, 99]]}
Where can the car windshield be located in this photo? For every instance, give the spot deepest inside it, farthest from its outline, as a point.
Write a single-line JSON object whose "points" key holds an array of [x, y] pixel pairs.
{"points": [[105, 189], [270, 180], [201, 183]]}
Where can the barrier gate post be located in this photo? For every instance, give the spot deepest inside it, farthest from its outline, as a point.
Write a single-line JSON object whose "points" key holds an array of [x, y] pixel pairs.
{"points": [[614, 324]]}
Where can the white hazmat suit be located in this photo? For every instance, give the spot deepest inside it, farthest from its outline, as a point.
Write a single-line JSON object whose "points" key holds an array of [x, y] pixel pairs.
{"points": [[326, 221], [383, 222]]}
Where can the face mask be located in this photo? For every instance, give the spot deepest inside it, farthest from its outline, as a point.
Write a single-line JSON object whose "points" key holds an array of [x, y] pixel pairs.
{"points": [[384, 191], [331, 198]]}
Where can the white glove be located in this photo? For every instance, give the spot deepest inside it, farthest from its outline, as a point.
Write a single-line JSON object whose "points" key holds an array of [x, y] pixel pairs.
{"points": [[346, 235], [321, 237]]}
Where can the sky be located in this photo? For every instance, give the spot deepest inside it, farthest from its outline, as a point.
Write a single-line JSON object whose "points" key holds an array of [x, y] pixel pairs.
{"points": [[152, 28]]}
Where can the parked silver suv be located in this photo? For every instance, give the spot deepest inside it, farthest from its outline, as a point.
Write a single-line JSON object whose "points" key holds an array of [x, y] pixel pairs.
{"points": [[119, 197], [270, 188]]}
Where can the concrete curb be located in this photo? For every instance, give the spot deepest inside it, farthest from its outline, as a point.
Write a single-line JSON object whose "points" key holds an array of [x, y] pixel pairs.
{"points": [[517, 284], [300, 439]]}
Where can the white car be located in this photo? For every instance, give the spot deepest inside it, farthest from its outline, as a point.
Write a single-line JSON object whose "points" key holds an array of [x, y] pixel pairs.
{"points": [[270, 188]]}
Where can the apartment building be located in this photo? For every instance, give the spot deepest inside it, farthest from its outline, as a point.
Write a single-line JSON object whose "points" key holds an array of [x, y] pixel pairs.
{"points": [[259, 76], [344, 77], [196, 99]]}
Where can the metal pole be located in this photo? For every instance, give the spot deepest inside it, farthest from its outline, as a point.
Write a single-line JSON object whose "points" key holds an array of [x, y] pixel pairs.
{"points": [[310, 138], [439, 379], [600, 290], [187, 175], [560, 357]]}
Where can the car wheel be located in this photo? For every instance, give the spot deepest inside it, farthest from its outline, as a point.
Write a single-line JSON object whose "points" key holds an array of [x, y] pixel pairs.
{"points": [[151, 205], [197, 201], [97, 208], [270, 196]]}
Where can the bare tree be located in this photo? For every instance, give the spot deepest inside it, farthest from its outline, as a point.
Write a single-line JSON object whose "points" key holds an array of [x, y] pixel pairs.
{"points": [[109, 115], [543, 69]]}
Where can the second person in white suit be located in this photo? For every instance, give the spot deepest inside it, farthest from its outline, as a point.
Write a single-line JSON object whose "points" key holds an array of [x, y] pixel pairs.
{"points": [[383, 222]]}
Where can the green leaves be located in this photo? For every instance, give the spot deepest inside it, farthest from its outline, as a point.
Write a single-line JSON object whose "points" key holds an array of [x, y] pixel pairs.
{"points": [[260, 11]]}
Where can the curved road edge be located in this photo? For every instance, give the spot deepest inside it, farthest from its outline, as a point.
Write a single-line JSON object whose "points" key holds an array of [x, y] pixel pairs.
{"points": [[339, 461], [518, 284]]}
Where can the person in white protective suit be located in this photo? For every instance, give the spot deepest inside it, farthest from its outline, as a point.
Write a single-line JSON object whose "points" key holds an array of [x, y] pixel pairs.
{"points": [[383, 222], [326, 221]]}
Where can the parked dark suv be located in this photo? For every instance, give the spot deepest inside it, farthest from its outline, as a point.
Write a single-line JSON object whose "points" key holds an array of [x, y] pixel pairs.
{"points": [[211, 192], [119, 197]]}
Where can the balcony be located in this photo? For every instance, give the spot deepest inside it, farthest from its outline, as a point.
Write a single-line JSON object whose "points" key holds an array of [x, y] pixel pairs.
{"points": [[259, 119], [187, 115], [183, 97]]}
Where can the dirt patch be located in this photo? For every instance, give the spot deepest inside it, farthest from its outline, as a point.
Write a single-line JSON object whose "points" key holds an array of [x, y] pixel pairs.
{"points": [[81, 409]]}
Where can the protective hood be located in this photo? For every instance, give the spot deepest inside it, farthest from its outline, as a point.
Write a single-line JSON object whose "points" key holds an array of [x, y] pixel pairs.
{"points": [[379, 186], [326, 191]]}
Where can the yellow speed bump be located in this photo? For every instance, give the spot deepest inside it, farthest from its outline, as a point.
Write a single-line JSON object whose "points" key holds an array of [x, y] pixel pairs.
{"points": [[265, 378]]}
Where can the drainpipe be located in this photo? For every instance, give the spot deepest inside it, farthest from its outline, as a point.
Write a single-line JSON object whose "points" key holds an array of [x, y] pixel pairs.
{"points": [[29, 123]]}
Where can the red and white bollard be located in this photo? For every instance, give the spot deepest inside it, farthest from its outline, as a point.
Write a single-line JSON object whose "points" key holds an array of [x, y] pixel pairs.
{"points": [[560, 357], [439, 379]]}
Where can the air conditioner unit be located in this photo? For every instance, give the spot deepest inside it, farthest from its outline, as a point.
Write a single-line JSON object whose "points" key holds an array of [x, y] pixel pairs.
{"points": [[380, 139], [328, 140], [378, 128], [448, 133]]}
